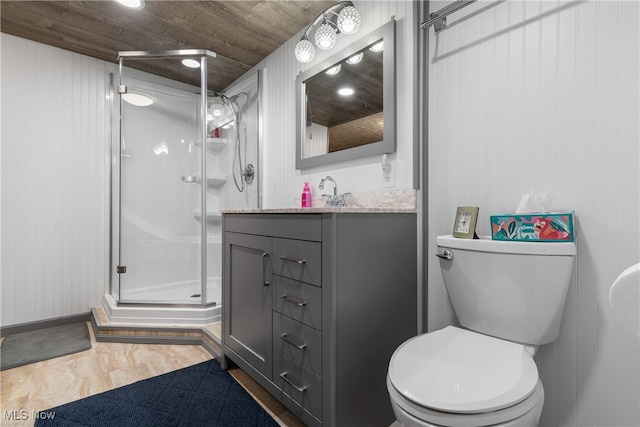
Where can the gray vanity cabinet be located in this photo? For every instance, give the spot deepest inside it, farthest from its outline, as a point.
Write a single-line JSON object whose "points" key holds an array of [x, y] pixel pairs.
{"points": [[314, 304]]}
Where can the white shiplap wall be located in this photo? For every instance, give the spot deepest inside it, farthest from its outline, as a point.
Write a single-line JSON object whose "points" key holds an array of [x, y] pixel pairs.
{"points": [[544, 94], [282, 183], [54, 182]]}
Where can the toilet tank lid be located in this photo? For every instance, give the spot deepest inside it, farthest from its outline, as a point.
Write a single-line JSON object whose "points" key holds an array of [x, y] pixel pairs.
{"points": [[486, 244]]}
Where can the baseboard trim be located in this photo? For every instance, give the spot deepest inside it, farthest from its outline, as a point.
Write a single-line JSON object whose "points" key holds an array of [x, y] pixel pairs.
{"points": [[42, 324]]}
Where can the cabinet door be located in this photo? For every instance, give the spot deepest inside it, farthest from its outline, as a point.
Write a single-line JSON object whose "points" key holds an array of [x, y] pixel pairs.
{"points": [[248, 286]]}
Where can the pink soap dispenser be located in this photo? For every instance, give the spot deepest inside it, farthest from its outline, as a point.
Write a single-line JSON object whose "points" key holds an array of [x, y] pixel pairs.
{"points": [[306, 196]]}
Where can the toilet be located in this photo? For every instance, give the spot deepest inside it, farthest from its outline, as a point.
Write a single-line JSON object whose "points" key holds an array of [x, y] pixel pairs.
{"points": [[508, 298]]}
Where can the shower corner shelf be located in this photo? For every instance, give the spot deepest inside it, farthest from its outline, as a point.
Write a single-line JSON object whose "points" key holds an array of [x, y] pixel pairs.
{"points": [[216, 182], [213, 217], [214, 145]]}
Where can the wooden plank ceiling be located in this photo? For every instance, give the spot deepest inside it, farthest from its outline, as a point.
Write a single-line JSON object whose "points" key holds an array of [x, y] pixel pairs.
{"points": [[241, 33]]}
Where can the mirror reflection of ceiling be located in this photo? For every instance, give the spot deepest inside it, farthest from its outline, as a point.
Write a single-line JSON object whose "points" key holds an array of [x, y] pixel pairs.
{"points": [[245, 32], [327, 108]]}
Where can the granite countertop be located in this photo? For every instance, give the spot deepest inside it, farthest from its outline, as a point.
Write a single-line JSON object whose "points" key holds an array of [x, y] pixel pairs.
{"points": [[319, 210], [399, 201]]}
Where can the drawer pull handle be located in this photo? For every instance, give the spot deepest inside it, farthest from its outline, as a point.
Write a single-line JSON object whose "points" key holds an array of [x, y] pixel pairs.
{"points": [[288, 381], [297, 261], [288, 340], [265, 264], [299, 303]]}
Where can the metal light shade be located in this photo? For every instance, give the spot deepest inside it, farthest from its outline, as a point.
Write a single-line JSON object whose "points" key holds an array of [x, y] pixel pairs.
{"points": [[349, 20]]}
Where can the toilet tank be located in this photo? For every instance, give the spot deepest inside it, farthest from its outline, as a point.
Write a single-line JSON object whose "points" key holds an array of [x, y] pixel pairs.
{"points": [[510, 290]]}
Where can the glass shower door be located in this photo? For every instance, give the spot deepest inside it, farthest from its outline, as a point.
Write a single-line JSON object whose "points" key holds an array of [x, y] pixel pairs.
{"points": [[160, 196]]}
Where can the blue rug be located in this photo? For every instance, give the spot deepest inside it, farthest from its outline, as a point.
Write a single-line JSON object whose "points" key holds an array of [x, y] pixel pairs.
{"points": [[200, 395]]}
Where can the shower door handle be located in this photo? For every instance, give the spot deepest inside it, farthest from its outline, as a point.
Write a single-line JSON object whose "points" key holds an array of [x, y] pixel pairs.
{"points": [[265, 264]]}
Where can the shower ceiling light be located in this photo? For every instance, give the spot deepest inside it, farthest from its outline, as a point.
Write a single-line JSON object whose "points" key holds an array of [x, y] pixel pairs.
{"points": [[342, 17], [191, 63], [137, 99], [133, 4]]}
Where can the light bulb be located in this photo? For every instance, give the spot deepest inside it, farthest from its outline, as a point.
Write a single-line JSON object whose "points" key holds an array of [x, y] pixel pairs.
{"points": [[349, 20], [305, 51], [325, 36]]}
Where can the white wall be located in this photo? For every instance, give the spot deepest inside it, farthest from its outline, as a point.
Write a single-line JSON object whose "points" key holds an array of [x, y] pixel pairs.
{"points": [[282, 182], [544, 94], [54, 177]]}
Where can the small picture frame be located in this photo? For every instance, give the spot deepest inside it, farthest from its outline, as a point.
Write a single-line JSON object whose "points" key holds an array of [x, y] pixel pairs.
{"points": [[464, 224]]}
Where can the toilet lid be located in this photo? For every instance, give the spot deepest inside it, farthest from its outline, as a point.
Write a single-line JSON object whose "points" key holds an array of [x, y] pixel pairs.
{"points": [[459, 371]]}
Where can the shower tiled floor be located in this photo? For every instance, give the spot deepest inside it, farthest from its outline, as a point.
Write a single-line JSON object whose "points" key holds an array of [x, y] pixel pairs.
{"points": [[104, 367]]}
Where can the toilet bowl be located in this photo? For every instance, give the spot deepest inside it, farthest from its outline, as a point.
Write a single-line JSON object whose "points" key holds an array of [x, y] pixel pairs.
{"points": [[455, 377]]}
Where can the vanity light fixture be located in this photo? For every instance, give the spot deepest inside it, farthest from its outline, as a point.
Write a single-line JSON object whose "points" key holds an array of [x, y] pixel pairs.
{"points": [[333, 70], [341, 17], [346, 91], [133, 4]]}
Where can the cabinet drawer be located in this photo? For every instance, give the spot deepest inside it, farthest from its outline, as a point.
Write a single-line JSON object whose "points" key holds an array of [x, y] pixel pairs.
{"points": [[298, 300], [294, 226], [298, 341], [302, 385], [298, 260]]}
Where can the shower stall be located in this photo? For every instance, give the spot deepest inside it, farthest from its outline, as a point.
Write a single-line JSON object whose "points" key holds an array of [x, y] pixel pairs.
{"points": [[182, 151]]}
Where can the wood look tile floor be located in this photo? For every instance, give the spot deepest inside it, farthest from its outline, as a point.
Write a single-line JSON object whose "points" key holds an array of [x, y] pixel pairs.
{"points": [[106, 366]]}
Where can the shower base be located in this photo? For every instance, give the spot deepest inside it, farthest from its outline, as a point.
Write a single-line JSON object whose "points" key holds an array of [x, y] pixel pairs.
{"points": [[157, 325], [187, 292]]}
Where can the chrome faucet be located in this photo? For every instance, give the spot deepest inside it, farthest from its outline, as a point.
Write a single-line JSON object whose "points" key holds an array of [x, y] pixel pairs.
{"points": [[335, 201]]}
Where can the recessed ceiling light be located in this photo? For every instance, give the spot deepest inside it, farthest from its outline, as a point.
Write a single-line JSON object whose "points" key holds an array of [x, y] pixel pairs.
{"points": [[133, 4], [191, 63], [346, 91], [137, 99]]}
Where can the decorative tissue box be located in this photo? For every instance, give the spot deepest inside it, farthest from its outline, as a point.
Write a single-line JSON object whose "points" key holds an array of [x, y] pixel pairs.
{"points": [[548, 227]]}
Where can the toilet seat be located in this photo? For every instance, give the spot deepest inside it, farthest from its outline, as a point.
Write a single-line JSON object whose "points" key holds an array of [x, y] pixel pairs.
{"points": [[456, 371]]}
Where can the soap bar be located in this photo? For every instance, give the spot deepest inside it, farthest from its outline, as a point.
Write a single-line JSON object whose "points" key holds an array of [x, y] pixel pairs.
{"points": [[543, 226]]}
